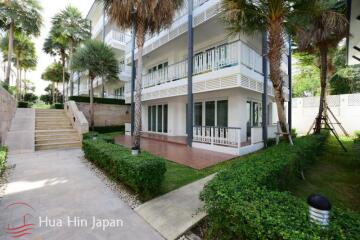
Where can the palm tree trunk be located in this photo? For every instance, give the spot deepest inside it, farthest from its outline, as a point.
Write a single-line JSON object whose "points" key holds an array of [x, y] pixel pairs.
{"points": [[71, 73], [323, 79], [18, 77], [10, 53], [63, 79], [91, 104], [137, 127], [276, 44], [53, 92]]}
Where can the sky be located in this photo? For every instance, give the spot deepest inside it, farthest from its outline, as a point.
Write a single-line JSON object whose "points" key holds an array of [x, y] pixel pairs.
{"points": [[50, 8]]}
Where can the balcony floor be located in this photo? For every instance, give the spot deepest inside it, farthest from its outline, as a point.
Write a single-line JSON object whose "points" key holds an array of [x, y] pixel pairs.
{"points": [[175, 149]]}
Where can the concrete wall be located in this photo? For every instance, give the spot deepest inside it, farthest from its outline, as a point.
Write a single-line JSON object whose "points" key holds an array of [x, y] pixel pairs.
{"points": [[346, 109], [107, 114], [7, 112]]}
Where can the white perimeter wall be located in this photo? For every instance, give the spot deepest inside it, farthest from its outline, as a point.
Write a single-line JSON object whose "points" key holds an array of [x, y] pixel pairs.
{"points": [[345, 107]]}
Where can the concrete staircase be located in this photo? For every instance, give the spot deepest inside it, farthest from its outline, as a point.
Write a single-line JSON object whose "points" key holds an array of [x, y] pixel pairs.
{"points": [[53, 130]]}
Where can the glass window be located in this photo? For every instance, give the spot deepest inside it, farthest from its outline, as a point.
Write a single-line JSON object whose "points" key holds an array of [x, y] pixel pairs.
{"points": [[160, 118], [210, 113], [153, 118], [198, 114], [165, 118], [149, 118], [222, 113]]}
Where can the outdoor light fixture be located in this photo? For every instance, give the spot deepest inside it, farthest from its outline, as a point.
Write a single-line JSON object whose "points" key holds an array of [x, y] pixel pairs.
{"points": [[319, 209]]}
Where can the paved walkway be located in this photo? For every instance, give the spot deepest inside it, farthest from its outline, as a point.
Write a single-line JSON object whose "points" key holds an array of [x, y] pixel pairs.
{"points": [[177, 152], [60, 189], [176, 212]]}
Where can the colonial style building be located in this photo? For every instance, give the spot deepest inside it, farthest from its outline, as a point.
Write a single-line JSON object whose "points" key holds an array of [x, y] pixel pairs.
{"points": [[228, 80]]}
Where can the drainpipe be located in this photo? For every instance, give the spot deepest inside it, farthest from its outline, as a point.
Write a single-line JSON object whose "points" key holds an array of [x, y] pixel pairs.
{"points": [[290, 86], [133, 73], [190, 74], [103, 39], [265, 94]]}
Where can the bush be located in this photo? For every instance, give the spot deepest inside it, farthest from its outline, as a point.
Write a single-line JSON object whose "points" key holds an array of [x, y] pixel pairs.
{"points": [[58, 106], [30, 97], [143, 173], [357, 134], [109, 129], [246, 202], [97, 136], [23, 104], [293, 133], [3, 155], [98, 100]]}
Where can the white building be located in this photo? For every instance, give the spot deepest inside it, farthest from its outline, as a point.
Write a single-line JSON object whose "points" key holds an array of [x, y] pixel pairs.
{"points": [[353, 42], [227, 82]]}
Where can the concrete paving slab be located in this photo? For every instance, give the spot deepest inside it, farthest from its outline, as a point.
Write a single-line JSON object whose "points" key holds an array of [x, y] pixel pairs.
{"points": [[63, 198], [21, 136], [176, 212]]}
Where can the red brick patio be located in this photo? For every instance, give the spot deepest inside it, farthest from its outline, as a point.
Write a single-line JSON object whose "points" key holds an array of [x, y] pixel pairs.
{"points": [[175, 149]]}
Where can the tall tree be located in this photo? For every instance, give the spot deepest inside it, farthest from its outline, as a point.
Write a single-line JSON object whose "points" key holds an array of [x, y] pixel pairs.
{"points": [[54, 74], [19, 16], [149, 16], [325, 29], [55, 45], [73, 29], [272, 16], [100, 61]]}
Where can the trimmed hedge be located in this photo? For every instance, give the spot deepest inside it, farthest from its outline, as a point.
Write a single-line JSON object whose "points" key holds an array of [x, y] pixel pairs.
{"points": [[109, 129], [58, 106], [3, 156], [98, 100], [23, 104], [246, 202], [97, 136], [143, 173]]}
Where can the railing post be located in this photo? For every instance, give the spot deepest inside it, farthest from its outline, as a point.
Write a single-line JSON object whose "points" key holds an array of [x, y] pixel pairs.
{"points": [[212, 135], [239, 138]]}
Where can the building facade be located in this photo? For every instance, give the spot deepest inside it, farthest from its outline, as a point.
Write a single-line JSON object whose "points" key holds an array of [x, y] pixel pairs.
{"points": [[228, 82]]}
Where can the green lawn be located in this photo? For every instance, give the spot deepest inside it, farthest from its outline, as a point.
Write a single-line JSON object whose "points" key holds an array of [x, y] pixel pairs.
{"points": [[335, 174], [41, 106]]}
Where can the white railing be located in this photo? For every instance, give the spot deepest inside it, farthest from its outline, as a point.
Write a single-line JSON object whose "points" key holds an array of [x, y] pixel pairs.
{"points": [[224, 136], [223, 56], [121, 37], [77, 118]]}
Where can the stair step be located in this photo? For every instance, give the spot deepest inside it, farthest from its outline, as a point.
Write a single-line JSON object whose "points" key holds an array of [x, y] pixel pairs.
{"points": [[57, 141], [67, 145], [50, 128]]}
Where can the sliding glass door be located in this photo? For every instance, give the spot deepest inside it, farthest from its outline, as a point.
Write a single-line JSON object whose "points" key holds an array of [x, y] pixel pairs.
{"points": [[215, 114], [158, 118]]}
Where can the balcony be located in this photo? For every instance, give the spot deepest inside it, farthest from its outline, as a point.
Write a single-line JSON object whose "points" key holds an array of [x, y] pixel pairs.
{"points": [[230, 65], [117, 39]]}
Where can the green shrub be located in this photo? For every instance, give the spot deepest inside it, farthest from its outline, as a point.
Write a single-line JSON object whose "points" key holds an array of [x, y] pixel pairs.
{"points": [[58, 106], [98, 100], [247, 202], [23, 104], [357, 133], [143, 173], [3, 156], [109, 129], [293, 133], [97, 136]]}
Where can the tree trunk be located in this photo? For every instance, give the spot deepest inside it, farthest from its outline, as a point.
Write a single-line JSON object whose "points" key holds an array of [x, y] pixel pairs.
{"points": [[276, 44], [323, 81], [71, 73], [18, 77], [137, 128], [63, 78], [53, 92], [10, 53], [56, 93], [91, 104]]}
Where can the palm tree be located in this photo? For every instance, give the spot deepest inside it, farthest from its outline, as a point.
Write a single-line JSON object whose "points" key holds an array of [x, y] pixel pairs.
{"points": [[272, 16], [73, 29], [23, 48], [54, 74], [100, 61], [325, 30], [149, 16], [55, 45], [19, 16]]}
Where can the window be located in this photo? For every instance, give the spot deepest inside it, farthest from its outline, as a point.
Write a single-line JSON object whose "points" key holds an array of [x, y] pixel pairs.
{"points": [[119, 93], [210, 113], [198, 114], [158, 118], [222, 113]]}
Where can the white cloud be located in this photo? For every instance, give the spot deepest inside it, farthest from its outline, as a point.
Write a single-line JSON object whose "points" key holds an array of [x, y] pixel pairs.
{"points": [[50, 8]]}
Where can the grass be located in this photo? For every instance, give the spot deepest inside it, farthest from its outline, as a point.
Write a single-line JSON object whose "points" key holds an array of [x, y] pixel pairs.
{"points": [[335, 174], [41, 106], [112, 134]]}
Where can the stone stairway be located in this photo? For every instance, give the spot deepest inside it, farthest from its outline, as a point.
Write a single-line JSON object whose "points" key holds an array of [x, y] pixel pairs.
{"points": [[53, 130]]}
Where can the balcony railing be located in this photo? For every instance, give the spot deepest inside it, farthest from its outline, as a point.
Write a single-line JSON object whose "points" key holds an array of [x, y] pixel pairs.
{"points": [[121, 37], [223, 136], [219, 57]]}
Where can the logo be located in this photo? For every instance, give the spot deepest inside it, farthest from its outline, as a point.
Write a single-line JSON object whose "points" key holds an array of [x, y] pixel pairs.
{"points": [[24, 224]]}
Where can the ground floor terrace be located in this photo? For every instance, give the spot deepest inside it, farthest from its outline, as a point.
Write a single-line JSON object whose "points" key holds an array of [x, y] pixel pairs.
{"points": [[225, 121]]}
